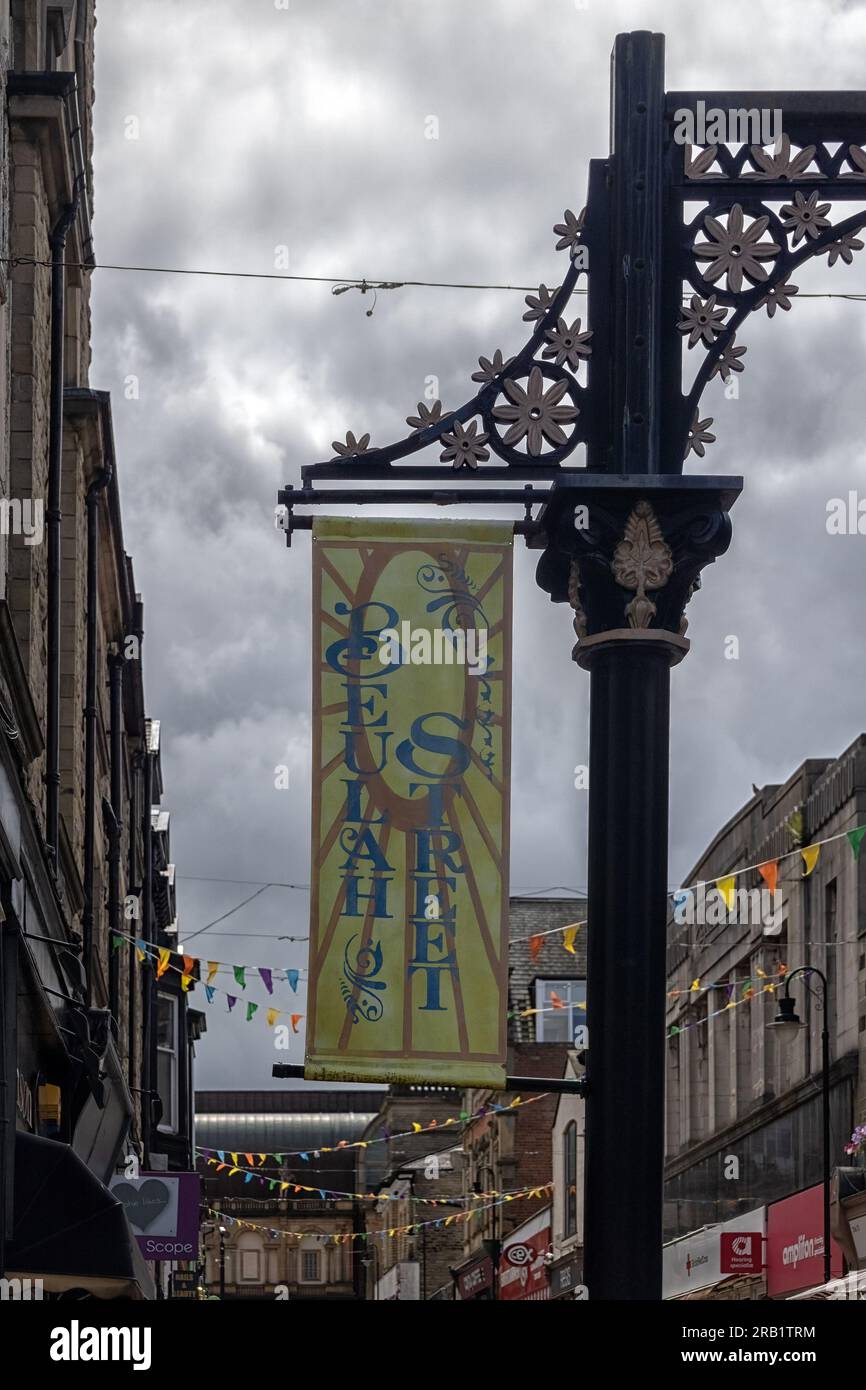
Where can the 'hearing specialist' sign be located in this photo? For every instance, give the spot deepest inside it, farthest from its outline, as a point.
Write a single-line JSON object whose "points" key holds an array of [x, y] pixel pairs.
{"points": [[411, 751]]}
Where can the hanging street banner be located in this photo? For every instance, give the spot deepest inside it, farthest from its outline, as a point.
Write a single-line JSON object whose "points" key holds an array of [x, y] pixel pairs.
{"points": [[408, 965]]}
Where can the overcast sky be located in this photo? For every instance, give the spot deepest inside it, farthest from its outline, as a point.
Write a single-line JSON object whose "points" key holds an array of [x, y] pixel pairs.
{"points": [[306, 127]]}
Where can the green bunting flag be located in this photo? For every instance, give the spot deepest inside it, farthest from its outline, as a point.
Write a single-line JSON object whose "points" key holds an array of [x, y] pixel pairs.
{"points": [[251, 1008], [855, 839], [117, 941], [239, 975]]}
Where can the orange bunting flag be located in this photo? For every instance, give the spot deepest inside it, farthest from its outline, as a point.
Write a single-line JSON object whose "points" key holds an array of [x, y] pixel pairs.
{"points": [[810, 858], [568, 939], [783, 969], [212, 968], [728, 887], [535, 945], [296, 1018], [770, 873], [555, 1000], [189, 964], [161, 968]]}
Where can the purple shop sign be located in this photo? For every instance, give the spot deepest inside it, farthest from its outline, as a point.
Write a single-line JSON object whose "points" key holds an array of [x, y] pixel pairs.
{"points": [[163, 1211]]}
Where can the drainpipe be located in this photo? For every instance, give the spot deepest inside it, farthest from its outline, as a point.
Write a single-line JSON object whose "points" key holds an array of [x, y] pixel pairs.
{"points": [[99, 483], [57, 242], [115, 682], [148, 1048]]}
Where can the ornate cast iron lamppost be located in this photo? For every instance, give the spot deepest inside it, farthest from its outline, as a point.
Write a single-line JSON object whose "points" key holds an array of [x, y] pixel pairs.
{"points": [[624, 539]]}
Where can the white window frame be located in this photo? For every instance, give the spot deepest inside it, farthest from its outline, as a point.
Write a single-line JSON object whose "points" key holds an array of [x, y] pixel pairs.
{"points": [[572, 992], [169, 1122], [316, 1252]]}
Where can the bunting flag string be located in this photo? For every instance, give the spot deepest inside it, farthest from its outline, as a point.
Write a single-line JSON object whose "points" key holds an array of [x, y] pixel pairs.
{"points": [[187, 971], [726, 885], [338, 1194], [434, 1126], [537, 1193], [748, 992], [768, 870]]}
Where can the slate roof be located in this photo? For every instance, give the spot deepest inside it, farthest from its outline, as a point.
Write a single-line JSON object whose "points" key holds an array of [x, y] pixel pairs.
{"points": [[530, 917]]}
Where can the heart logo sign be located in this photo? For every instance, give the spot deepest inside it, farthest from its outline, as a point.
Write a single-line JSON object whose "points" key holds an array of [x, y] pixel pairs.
{"points": [[143, 1204]]}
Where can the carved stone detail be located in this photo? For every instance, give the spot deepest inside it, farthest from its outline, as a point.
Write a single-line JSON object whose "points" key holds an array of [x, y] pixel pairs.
{"points": [[642, 561], [574, 600]]}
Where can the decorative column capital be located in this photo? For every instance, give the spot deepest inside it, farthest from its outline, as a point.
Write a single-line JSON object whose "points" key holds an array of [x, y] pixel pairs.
{"points": [[627, 552]]}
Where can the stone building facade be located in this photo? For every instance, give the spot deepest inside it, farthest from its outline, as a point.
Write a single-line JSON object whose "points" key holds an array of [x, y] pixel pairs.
{"points": [[410, 1170], [80, 872], [280, 1241], [743, 1108]]}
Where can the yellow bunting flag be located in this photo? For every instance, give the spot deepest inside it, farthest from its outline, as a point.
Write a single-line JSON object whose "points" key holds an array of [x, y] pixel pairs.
{"points": [[770, 873], [810, 858], [273, 1015], [568, 939], [142, 955], [728, 887], [212, 968], [408, 962], [164, 957], [696, 984], [185, 982]]}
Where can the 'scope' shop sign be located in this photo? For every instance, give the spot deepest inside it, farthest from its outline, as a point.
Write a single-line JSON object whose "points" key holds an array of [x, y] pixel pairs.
{"points": [[163, 1211]]}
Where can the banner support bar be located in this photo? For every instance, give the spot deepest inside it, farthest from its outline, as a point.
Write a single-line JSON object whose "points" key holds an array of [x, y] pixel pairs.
{"points": [[557, 1084]]}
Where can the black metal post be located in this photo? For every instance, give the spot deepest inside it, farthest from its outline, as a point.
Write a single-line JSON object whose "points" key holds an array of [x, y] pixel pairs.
{"points": [[807, 970], [825, 1119], [222, 1264], [628, 843], [149, 1053]]}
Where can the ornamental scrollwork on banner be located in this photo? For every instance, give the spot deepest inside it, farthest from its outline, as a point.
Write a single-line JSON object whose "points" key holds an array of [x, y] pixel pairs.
{"points": [[360, 989]]}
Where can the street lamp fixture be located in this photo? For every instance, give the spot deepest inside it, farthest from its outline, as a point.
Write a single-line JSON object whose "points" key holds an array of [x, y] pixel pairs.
{"points": [[787, 1024]]}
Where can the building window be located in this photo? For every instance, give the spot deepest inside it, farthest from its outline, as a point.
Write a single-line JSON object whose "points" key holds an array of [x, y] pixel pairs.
{"points": [[560, 1015], [167, 1060], [251, 1266], [311, 1265], [569, 1156]]}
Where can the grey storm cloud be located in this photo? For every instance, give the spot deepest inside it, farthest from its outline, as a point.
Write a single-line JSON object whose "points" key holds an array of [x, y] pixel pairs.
{"points": [[231, 132]]}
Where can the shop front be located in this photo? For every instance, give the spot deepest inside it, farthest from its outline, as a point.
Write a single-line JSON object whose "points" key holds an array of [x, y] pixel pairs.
{"points": [[795, 1244], [523, 1260], [476, 1279], [718, 1262]]}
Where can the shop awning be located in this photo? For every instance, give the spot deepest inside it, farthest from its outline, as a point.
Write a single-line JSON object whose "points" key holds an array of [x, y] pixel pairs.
{"points": [[69, 1230]]}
